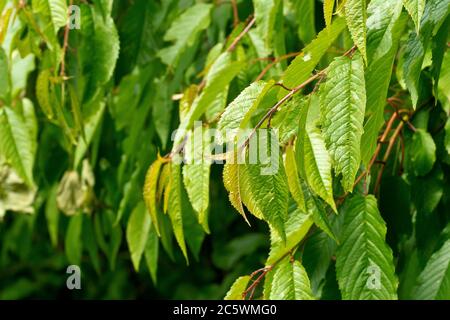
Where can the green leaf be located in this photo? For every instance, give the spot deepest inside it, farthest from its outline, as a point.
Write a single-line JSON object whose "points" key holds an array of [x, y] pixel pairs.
{"points": [[91, 125], [434, 281], [176, 206], [137, 233], [297, 226], [73, 242], [364, 265], [237, 289], [356, 17], [52, 215], [56, 8], [447, 136], [305, 16], [293, 178], [317, 258], [196, 174], [16, 144], [383, 37], [343, 102], [184, 31], [97, 64], [221, 73], [5, 80], [239, 111], [266, 195], [265, 14], [415, 9], [151, 253], [301, 67], [422, 153], [316, 164], [418, 44], [286, 119], [290, 282]]}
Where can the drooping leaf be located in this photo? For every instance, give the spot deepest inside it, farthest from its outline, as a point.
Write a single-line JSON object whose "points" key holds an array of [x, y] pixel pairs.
{"points": [[343, 103], [364, 265], [266, 195], [301, 67], [16, 144], [290, 282], [265, 14], [73, 243], [415, 9], [287, 118], [305, 14], [99, 52], [221, 73], [151, 253], [422, 153], [293, 178], [385, 26], [297, 226], [184, 30], [137, 233], [5, 79], [176, 206], [231, 180], [356, 17], [237, 289], [150, 189], [196, 174], [316, 164], [434, 281], [238, 112]]}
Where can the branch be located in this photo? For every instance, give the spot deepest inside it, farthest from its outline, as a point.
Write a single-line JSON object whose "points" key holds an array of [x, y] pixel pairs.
{"points": [[241, 35], [274, 62], [392, 141], [280, 103], [235, 13], [65, 45]]}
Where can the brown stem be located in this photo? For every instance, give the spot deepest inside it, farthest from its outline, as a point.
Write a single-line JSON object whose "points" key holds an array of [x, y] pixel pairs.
{"points": [[241, 35], [235, 13], [65, 45], [392, 141], [274, 62], [280, 103]]}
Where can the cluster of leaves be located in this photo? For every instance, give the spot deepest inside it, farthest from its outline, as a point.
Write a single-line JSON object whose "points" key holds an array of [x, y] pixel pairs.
{"points": [[358, 207]]}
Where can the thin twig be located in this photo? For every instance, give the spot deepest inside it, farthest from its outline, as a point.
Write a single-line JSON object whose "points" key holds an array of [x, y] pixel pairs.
{"points": [[65, 45], [280, 103], [241, 35], [387, 154], [274, 62], [235, 13]]}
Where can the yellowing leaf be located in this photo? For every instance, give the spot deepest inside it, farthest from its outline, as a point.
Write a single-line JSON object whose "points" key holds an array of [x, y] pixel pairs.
{"points": [[150, 189], [176, 206], [328, 7]]}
